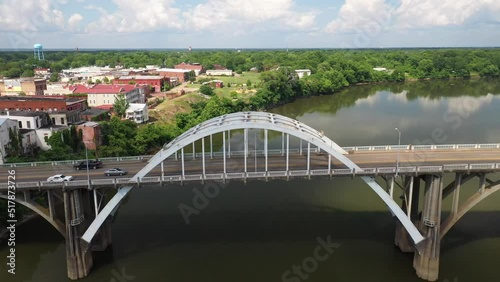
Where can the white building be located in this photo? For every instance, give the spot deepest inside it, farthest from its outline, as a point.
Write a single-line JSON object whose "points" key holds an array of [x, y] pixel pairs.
{"points": [[137, 113], [6, 125], [57, 89], [302, 73], [34, 127], [379, 69], [106, 94], [220, 72]]}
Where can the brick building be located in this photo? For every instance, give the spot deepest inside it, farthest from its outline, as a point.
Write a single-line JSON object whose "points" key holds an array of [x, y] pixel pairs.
{"points": [[29, 86], [41, 104], [91, 134], [197, 68], [181, 75], [155, 81]]}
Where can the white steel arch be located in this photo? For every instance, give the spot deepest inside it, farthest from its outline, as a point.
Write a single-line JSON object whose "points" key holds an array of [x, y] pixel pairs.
{"points": [[255, 120]]}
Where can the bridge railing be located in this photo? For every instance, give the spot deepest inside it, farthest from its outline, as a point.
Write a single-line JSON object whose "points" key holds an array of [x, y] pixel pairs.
{"points": [[374, 171], [270, 152]]}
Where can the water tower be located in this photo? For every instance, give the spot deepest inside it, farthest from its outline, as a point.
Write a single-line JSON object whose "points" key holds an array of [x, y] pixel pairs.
{"points": [[38, 52]]}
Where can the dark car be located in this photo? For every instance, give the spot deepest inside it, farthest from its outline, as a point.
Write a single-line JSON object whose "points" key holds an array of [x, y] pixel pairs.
{"points": [[115, 171], [91, 165]]}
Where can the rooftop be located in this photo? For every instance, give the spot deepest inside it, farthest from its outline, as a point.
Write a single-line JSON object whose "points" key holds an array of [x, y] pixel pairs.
{"points": [[89, 124], [40, 98], [93, 112], [132, 107], [173, 70], [22, 114], [143, 77], [103, 88]]}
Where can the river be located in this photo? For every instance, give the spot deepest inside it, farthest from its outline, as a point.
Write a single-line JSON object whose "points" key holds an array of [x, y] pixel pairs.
{"points": [[257, 231]]}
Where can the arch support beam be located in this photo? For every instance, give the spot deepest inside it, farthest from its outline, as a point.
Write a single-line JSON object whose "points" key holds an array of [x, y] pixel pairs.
{"points": [[43, 212], [263, 121]]}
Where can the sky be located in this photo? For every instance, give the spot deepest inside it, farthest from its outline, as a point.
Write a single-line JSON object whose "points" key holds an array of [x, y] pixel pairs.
{"points": [[129, 24]]}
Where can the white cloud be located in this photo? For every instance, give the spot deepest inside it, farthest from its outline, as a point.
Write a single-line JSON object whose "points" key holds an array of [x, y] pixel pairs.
{"points": [[137, 16], [219, 13], [30, 15], [376, 15], [360, 14], [429, 13], [74, 21]]}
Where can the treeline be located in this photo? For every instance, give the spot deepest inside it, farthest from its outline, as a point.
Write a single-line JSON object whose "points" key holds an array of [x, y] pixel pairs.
{"points": [[356, 65]]}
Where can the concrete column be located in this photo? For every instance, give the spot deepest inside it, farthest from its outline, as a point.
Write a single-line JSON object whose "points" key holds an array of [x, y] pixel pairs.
{"points": [[79, 261], [456, 194], [52, 208], [426, 260]]}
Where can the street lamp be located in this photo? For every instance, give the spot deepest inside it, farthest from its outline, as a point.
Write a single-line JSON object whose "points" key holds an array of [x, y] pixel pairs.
{"points": [[399, 145]]}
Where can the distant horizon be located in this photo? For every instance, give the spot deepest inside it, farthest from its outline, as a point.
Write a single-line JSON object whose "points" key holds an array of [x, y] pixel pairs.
{"points": [[236, 49]]}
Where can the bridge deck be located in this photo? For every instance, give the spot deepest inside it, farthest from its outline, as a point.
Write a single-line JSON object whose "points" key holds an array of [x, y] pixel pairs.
{"points": [[235, 164]]}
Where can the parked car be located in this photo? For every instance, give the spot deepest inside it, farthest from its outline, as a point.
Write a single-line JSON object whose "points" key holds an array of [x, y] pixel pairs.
{"points": [[115, 171], [92, 165], [60, 178]]}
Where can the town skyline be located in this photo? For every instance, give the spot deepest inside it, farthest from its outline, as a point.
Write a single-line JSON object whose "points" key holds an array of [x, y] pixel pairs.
{"points": [[261, 24]]}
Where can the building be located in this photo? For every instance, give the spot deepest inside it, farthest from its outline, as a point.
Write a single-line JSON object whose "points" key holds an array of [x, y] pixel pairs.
{"points": [[57, 90], [34, 127], [215, 83], [181, 75], [302, 73], [65, 118], [26, 85], [91, 134], [196, 67], [154, 81], [105, 94], [137, 113], [95, 114], [6, 126], [41, 104], [220, 72], [42, 72], [379, 69]]}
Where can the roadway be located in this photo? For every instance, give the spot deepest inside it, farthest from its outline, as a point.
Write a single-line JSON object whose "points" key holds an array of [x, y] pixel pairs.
{"points": [[275, 163]]}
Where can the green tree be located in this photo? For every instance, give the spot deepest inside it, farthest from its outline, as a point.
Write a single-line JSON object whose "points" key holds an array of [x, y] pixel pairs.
{"points": [[54, 77], [121, 105], [249, 83], [105, 80], [207, 90], [28, 73]]}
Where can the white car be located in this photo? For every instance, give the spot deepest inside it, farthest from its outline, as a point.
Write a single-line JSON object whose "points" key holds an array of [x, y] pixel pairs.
{"points": [[59, 178]]}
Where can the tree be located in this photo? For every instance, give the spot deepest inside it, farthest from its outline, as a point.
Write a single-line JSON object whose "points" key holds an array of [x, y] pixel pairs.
{"points": [[105, 80], [249, 83], [121, 105], [28, 73], [207, 90], [54, 77]]}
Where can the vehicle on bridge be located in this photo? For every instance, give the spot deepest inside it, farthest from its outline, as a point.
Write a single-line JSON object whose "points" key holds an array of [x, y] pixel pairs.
{"points": [[60, 178], [91, 165], [115, 171]]}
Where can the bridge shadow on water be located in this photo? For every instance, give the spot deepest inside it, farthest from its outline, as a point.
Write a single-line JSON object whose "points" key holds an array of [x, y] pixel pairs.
{"points": [[276, 221]]}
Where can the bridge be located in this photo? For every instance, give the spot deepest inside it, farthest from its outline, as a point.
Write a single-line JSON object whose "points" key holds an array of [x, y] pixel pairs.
{"points": [[296, 150]]}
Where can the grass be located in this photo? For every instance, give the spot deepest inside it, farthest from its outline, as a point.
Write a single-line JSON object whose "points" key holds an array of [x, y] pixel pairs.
{"points": [[166, 111]]}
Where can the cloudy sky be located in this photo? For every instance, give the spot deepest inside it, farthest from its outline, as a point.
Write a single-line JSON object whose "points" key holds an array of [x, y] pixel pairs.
{"points": [[249, 23]]}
